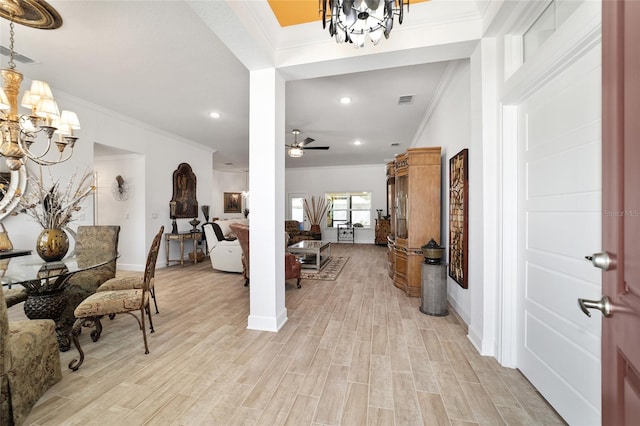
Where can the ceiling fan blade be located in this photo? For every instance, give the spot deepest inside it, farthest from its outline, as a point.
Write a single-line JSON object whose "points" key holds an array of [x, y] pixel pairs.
{"points": [[317, 147], [306, 141]]}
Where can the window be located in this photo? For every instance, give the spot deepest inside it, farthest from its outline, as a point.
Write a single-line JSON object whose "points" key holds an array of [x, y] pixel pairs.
{"points": [[349, 207], [555, 14]]}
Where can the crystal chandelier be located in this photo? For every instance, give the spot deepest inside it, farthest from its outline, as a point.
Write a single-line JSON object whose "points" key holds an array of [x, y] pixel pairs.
{"points": [[353, 20], [19, 132]]}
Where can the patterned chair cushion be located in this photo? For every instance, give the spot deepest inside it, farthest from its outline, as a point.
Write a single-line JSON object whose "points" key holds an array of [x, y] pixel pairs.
{"points": [[124, 283], [110, 302]]}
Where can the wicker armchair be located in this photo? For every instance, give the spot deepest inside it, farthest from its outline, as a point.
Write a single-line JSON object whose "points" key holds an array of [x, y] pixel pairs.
{"points": [[29, 364], [292, 227]]}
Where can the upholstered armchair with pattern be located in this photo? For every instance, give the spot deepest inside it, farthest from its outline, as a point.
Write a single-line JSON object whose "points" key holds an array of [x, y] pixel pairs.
{"points": [[292, 227], [29, 364], [92, 242]]}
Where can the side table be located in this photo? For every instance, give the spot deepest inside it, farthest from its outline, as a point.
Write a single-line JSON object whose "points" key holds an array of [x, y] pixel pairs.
{"points": [[181, 237]]}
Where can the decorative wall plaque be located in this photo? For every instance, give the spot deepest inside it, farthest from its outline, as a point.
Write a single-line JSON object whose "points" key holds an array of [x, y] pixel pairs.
{"points": [[184, 193], [459, 217]]}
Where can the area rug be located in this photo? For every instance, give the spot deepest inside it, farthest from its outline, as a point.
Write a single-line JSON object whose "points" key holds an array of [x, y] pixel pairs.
{"points": [[329, 272]]}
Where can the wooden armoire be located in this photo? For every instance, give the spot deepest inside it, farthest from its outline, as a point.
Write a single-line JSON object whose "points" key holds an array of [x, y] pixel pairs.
{"points": [[416, 214]]}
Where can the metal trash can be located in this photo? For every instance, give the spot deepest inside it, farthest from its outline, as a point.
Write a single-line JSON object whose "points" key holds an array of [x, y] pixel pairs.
{"points": [[434, 289]]}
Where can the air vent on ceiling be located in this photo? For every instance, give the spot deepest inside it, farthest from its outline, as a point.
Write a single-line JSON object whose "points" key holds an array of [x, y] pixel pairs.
{"points": [[395, 144], [16, 56], [405, 100]]}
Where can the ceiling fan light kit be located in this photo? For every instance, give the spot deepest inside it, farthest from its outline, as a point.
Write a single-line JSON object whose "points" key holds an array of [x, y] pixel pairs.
{"points": [[295, 152], [296, 149], [354, 20]]}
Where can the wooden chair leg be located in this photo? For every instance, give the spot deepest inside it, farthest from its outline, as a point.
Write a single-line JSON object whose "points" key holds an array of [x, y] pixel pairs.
{"points": [[298, 283]]}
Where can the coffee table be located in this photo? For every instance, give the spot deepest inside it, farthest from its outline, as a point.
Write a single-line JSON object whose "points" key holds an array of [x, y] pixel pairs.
{"points": [[312, 254]]}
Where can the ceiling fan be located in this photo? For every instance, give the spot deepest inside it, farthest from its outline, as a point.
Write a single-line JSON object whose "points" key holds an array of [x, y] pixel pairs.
{"points": [[296, 149]]}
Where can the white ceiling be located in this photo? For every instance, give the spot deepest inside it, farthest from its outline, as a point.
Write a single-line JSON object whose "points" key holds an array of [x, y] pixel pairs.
{"points": [[163, 63]]}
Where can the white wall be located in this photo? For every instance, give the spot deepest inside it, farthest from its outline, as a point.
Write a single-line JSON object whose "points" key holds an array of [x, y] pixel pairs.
{"points": [[449, 126], [228, 181], [320, 180], [129, 214], [162, 154]]}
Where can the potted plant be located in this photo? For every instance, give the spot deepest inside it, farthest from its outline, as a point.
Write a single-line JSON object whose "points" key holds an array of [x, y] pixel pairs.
{"points": [[315, 212]]}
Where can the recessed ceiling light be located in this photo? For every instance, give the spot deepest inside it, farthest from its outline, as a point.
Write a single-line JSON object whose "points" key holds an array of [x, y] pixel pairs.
{"points": [[214, 114], [345, 100], [357, 143]]}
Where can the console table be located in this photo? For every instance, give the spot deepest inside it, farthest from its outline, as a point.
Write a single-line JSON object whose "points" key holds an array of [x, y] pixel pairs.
{"points": [[346, 232], [181, 237]]}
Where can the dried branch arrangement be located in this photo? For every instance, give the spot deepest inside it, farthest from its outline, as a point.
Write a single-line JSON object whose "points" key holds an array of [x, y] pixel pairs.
{"points": [[316, 211], [53, 206]]}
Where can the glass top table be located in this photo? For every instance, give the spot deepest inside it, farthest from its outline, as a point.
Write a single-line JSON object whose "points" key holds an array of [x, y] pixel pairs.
{"points": [[44, 283], [37, 276], [312, 254]]}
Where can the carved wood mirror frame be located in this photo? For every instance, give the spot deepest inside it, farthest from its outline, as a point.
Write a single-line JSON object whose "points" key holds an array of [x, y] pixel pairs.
{"points": [[184, 193]]}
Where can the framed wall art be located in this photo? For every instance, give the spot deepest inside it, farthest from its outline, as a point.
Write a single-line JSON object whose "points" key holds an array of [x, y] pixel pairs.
{"points": [[232, 202], [459, 217]]}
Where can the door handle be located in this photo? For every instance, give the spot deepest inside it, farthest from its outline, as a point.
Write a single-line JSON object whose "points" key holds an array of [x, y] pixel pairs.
{"points": [[603, 305], [602, 260]]}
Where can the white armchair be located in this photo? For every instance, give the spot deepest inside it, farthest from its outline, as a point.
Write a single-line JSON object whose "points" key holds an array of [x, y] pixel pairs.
{"points": [[223, 248]]}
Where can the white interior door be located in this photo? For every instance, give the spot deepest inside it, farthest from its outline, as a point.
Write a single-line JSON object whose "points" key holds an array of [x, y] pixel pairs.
{"points": [[295, 210], [559, 204]]}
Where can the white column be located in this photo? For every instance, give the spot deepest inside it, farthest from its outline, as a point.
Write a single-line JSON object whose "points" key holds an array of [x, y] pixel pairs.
{"points": [[266, 185]]}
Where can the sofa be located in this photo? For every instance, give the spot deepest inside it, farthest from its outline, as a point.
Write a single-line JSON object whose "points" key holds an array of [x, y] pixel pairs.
{"points": [[223, 248], [296, 234]]}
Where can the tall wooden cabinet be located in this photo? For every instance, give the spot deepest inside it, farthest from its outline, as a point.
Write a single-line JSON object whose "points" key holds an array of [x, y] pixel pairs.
{"points": [[416, 216], [391, 207]]}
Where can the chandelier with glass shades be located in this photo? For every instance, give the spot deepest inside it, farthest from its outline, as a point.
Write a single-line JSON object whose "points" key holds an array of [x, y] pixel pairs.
{"points": [[354, 20], [20, 132]]}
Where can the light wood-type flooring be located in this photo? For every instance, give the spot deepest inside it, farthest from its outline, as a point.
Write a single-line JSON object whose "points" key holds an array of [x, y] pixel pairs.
{"points": [[355, 351]]}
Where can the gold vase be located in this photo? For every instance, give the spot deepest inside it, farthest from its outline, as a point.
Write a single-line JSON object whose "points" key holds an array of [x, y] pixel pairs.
{"points": [[52, 244]]}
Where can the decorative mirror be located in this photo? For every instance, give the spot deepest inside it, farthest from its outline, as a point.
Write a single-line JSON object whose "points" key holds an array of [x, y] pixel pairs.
{"points": [[14, 184]]}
